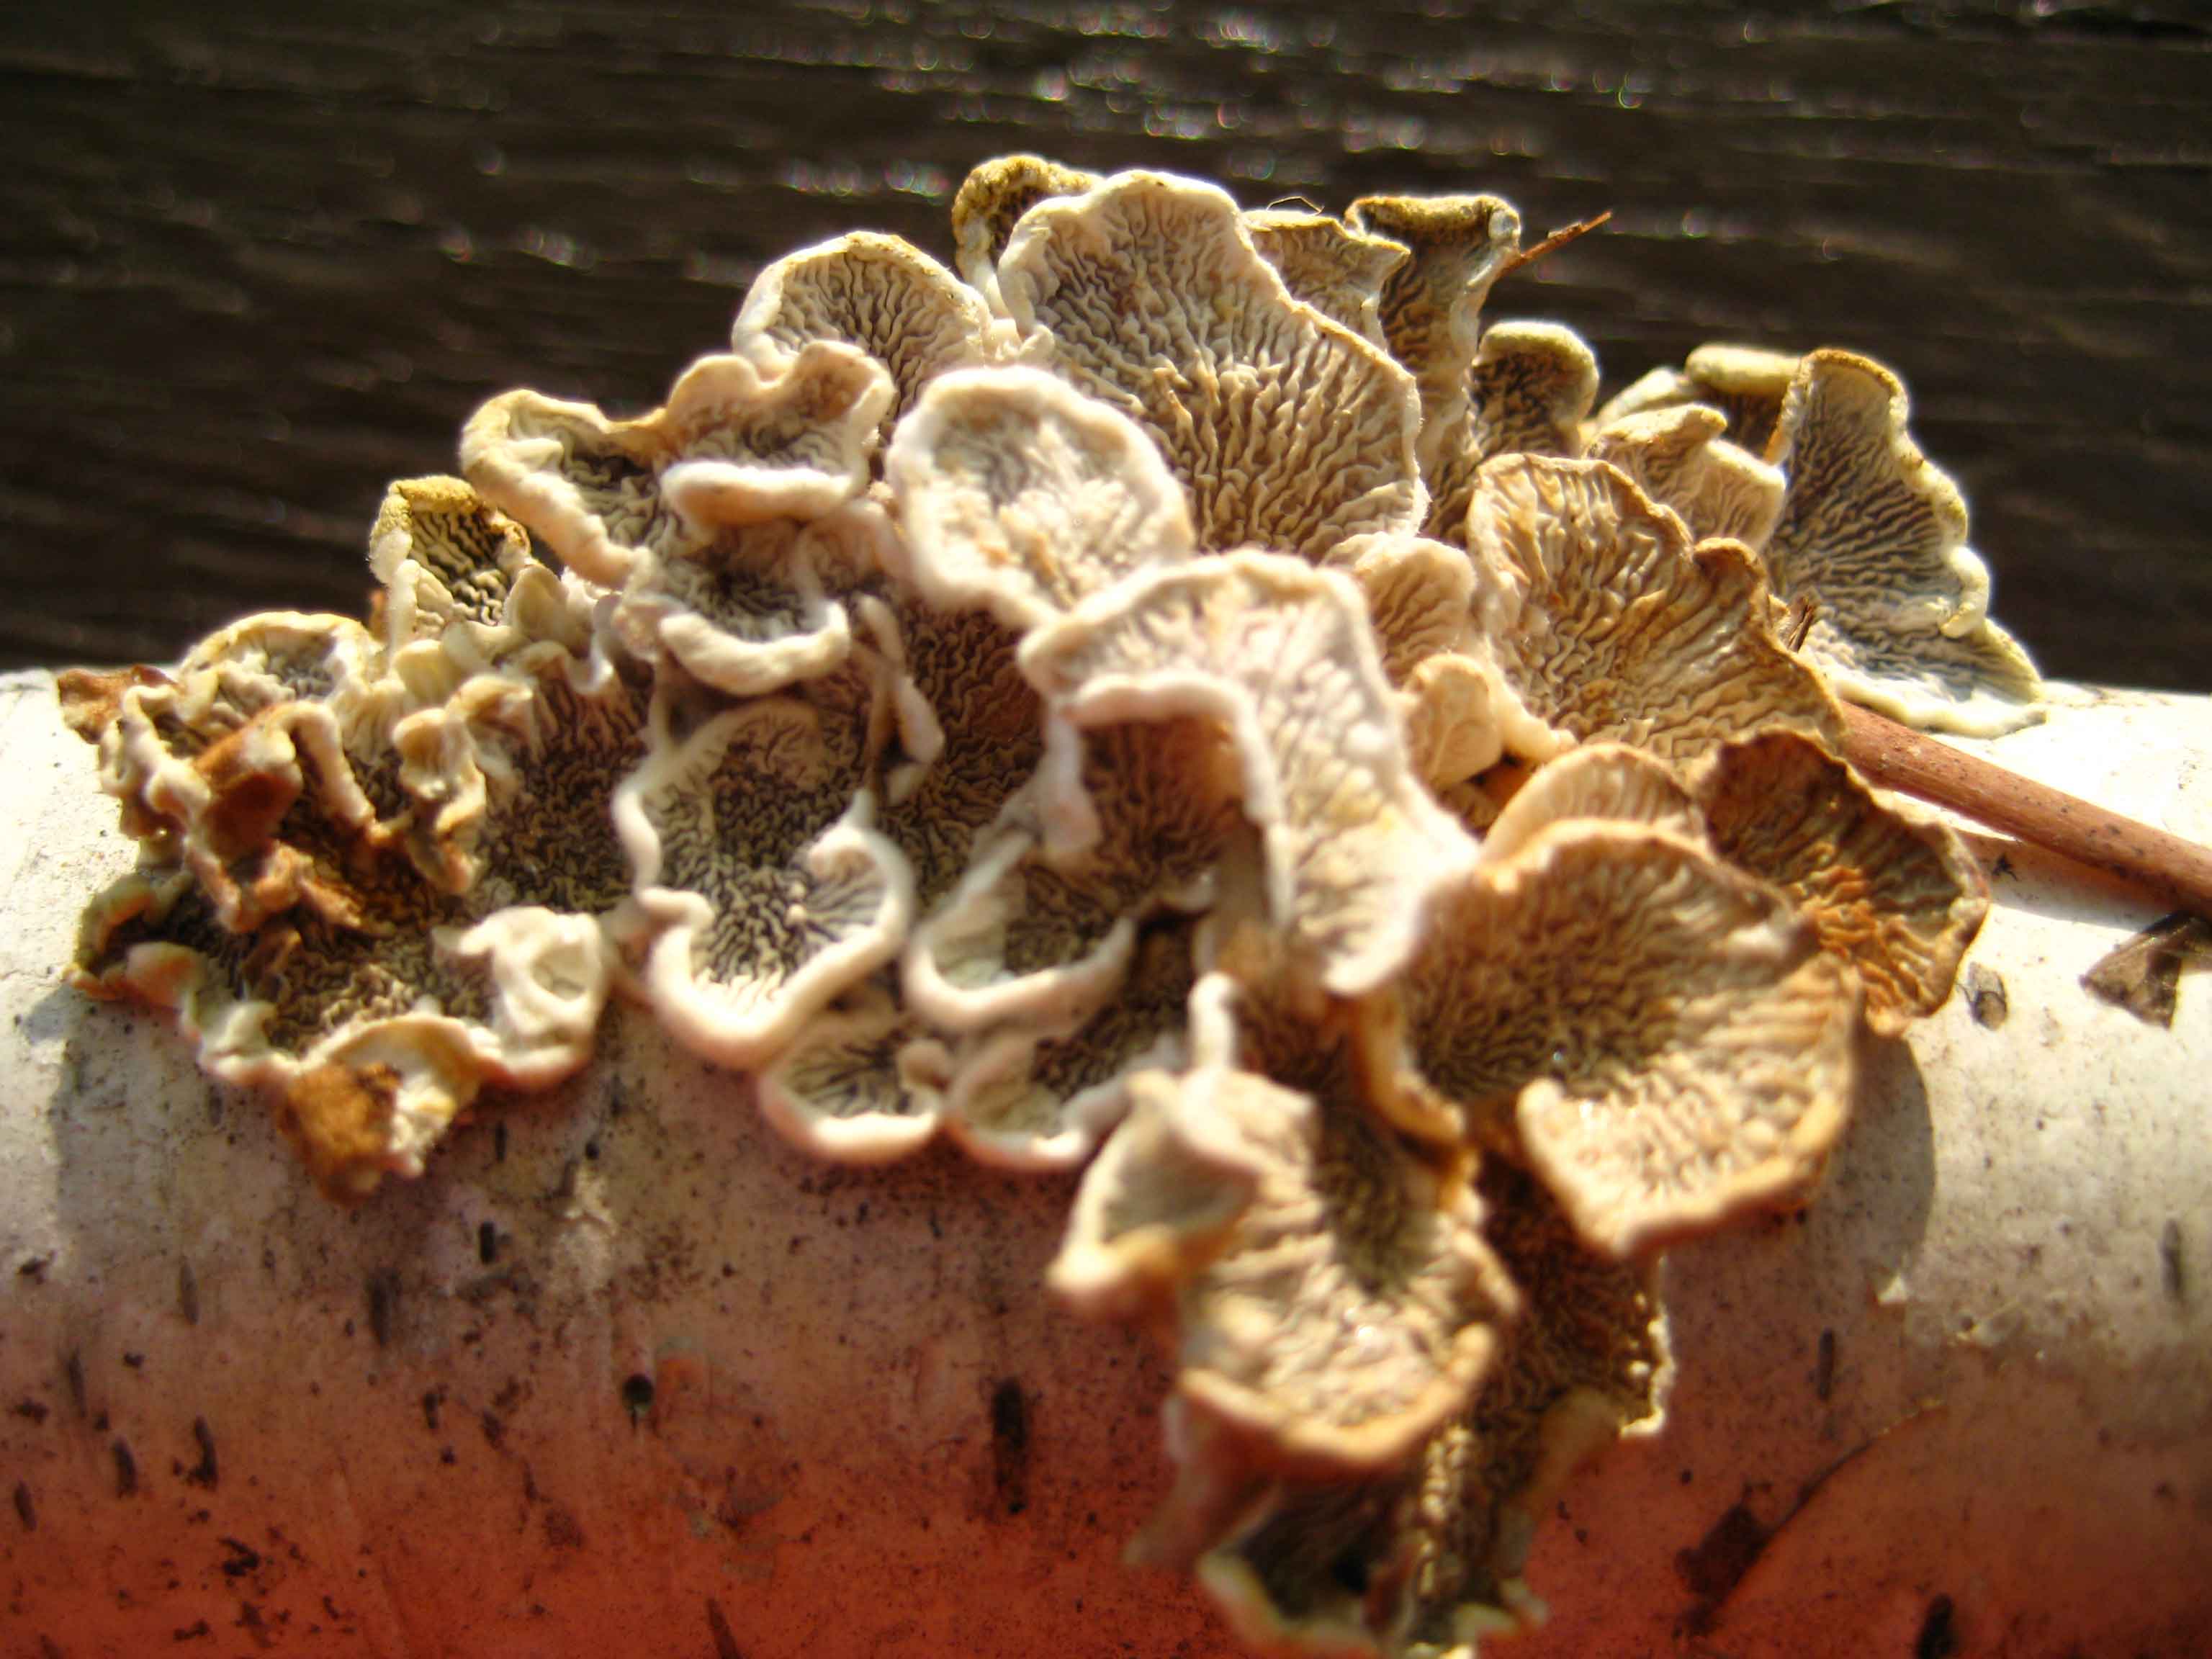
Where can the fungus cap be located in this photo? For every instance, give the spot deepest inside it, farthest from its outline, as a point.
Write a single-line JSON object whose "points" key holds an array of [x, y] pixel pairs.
{"points": [[1656, 1035], [1017, 493], [1602, 621], [1287, 430], [1283, 657], [877, 294], [1874, 534]]}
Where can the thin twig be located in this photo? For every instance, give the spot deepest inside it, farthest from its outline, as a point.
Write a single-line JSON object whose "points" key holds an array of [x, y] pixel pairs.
{"points": [[1558, 238], [1900, 759]]}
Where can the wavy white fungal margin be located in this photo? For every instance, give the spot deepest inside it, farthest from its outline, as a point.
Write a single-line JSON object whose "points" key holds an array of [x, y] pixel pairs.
{"points": [[1889, 889], [990, 202], [1019, 494], [759, 864], [1602, 621], [758, 608], [1609, 782], [1745, 383], [1118, 825], [549, 974], [1873, 536], [1680, 458], [1528, 392], [863, 1083], [734, 444], [1043, 1097], [1332, 1298], [1341, 272], [1283, 656], [1431, 306], [1288, 430], [877, 294], [462, 589], [1659, 1037]]}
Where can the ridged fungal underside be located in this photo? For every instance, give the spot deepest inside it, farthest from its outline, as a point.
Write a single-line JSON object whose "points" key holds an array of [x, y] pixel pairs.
{"points": [[1188, 698]]}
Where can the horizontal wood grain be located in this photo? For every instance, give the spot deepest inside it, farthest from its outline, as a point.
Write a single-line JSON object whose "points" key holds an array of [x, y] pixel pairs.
{"points": [[252, 265]]}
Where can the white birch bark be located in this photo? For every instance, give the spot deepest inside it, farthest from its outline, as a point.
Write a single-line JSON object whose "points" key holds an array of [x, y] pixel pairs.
{"points": [[625, 1375]]}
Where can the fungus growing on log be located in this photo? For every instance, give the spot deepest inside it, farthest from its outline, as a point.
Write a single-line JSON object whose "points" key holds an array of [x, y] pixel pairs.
{"points": [[1599, 619], [1289, 431], [1179, 696]]}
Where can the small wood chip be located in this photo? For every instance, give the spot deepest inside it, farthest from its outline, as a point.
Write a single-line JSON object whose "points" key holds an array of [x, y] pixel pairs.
{"points": [[2144, 975]]}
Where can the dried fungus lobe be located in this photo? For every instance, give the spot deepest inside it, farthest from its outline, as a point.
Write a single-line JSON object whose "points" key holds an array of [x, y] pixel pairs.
{"points": [[1019, 495], [246, 764], [1419, 593], [863, 1082], [1656, 1035], [463, 738], [1528, 393], [758, 862], [754, 608], [1283, 657], [449, 564], [1532, 386], [1164, 1197], [554, 738], [969, 729], [1589, 1363], [990, 202], [1427, 1559], [1118, 825], [1338, 270], [1605, 783], [370, 1038], [1873, 535], [1043, 1097], [1288, 430], [375, 1003], [1332, 1296], [1897, 898], [734, 446], [1745, 383], [153, 727], [875, 293], [1601, 620], [1432, 307], [466, 607], [1678, 457]]}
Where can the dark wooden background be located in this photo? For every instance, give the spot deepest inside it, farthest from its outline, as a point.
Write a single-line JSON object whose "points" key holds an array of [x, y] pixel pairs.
{"points": [[254, 261]]}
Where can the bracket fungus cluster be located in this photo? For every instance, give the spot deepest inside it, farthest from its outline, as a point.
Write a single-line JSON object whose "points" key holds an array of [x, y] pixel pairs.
{"points": [[1187, 698]]}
